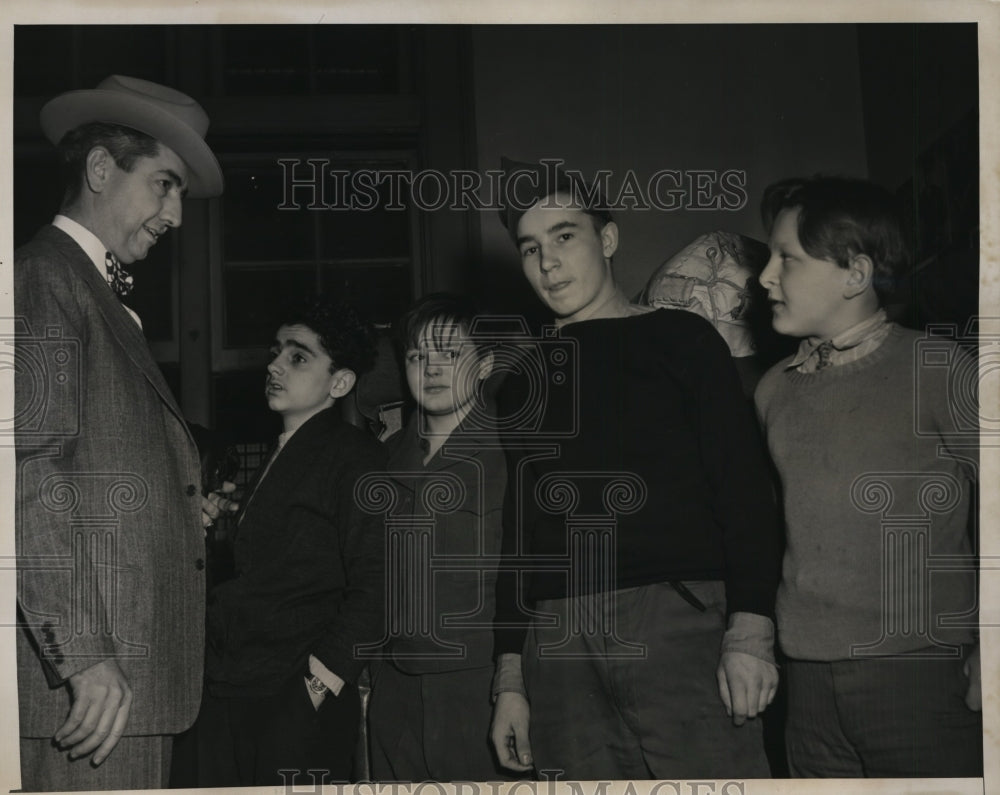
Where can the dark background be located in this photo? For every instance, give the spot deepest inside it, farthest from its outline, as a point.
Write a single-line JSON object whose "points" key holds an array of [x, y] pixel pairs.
{"points": [[894, 102]]}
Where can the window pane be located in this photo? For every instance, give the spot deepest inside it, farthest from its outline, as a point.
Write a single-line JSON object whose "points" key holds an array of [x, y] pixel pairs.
{"points": [[357, 59], [241, 413], [133, 50], [382, 292], [310, 59], [254, 228], [371, 233], [266, 59], [254, 299], [152, 292]]}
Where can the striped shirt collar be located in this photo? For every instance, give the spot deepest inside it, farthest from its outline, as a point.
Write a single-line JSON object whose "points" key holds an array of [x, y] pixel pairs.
{"points": [[850, 345]]}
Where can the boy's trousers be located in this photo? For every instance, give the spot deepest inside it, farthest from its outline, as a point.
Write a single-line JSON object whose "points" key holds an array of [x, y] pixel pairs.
{"points": [[432, 726], [882, 718], [249, 741], [622, 685]]}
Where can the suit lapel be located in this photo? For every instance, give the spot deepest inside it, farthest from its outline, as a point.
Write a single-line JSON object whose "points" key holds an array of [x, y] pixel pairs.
{"points": [[123, 328], [292, 466]]}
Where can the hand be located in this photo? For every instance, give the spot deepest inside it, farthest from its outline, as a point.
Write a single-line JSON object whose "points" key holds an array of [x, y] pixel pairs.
{"points": [[973, 670], [509, 731], [102, 699], [747, 685], [216, 504]]}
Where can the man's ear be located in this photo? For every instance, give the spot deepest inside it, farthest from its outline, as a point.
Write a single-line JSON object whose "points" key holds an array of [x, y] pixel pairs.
{"points": [[97, 168], [860, 272], [343, 382], [609, 239]]}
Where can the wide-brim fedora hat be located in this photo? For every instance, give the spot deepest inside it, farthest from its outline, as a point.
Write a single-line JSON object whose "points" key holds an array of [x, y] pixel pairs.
{"points": [[168, 115]]}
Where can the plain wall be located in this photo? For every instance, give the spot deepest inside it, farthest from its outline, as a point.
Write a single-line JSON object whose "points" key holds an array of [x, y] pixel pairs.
{"points": [[772, 101], [924, 75]]}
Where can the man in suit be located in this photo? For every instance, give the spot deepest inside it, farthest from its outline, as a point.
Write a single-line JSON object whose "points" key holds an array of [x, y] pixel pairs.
{"points": [[110, 515]]}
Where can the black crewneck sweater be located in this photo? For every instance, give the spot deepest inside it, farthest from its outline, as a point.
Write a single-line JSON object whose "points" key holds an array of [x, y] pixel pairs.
{"points": [[659, 409]]}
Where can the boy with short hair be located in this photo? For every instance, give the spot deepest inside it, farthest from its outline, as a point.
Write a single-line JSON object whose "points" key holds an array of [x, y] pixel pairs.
{"points": [[310, 573], [649, 655], [877, 683], [430, 706]]}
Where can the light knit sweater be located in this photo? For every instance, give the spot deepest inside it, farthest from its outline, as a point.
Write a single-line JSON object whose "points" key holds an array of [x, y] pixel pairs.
{"points": [[877, 490]]}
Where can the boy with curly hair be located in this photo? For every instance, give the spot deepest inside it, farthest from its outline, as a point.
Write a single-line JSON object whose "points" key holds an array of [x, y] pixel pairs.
{"points": [[280, 697]]}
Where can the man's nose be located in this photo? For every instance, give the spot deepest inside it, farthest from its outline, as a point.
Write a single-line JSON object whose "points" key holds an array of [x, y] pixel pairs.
{"points": [[173, 211]]}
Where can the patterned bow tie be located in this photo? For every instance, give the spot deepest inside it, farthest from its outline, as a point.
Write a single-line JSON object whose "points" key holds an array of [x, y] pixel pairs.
{"points": [[119, 279]]}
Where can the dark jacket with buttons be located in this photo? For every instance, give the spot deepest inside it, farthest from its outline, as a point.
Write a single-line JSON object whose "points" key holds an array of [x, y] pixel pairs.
{"points": [[310, 565], [447, 528]]}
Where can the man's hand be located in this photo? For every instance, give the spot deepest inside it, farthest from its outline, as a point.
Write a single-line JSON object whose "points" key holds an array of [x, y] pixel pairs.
{"points": [[972, 669], [509, 731], [102, 699], [747, 685], [216, 504]]}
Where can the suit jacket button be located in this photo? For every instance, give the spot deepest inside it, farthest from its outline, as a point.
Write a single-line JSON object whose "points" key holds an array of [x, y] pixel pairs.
{"points": [[191, 490], [199, 564]]}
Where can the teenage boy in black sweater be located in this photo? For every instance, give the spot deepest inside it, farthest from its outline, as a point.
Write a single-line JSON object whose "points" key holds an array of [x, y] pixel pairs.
{"points": [[665, 480]]}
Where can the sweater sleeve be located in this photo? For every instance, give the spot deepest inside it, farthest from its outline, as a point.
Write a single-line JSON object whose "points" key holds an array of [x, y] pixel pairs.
{"points": [[49, 459], [510, 626], [739, 477]]}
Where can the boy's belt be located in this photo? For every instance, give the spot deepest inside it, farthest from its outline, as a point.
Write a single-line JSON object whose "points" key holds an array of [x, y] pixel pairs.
{"points": [[686, 595]]}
